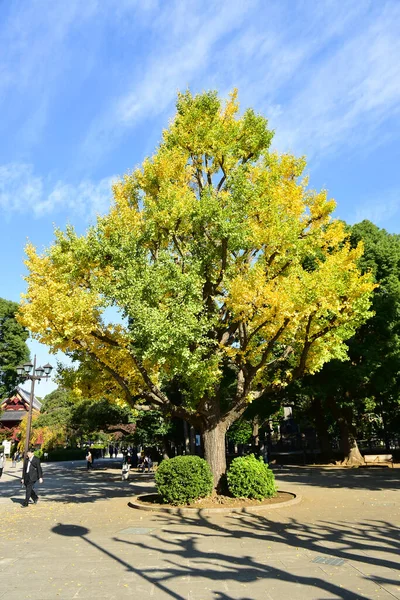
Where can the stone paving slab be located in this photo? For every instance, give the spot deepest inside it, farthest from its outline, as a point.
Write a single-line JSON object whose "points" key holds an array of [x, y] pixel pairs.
{"points": [[83, 542]]}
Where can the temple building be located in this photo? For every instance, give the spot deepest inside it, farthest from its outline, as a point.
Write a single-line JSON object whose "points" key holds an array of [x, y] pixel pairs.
{"points": [[14, 408]]}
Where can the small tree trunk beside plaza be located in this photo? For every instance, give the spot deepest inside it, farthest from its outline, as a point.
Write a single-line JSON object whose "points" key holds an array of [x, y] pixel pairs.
{"points": [[348, 444]]}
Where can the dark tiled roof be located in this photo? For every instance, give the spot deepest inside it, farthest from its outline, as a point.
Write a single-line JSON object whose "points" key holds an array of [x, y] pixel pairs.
{"points": [[13, 415], [27, 397]]}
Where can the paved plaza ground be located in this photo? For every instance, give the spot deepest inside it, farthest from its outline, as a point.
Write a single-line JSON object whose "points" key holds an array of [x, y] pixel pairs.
{"points": [[82, 541]]}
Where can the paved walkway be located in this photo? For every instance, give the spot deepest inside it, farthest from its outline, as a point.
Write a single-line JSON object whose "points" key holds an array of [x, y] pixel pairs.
{"points": [[82, 541]]}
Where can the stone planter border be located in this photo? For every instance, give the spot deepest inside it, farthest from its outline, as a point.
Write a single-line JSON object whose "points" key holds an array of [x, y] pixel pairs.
{"points": [[181, 510]]}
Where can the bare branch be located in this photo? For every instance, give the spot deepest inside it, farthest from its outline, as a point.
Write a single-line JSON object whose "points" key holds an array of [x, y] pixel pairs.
{"points": [[221, 182], [224, 252], [227, 334], [243, 334], [126, 428], [272, 258], [175, 240], [299, 370], [241, 382], [209, 178], [281, 270], [105, 339], [269, 347], [248, 157], [153, 389]]}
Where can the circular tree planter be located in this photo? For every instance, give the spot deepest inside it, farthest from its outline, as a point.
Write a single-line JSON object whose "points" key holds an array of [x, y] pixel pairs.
{"points": [[225, 504]]}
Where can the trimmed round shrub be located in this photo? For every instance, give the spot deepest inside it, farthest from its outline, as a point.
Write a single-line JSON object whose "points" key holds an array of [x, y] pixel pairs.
{"points": [[183, 479], [249, 477]]}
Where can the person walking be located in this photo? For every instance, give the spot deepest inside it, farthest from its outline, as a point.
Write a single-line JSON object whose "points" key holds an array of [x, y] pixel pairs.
{"points": [[31, 473], [89, 460], [2, 461]]}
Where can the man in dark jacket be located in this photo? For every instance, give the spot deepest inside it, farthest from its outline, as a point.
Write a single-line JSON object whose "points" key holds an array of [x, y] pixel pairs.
{"points": [[31, 473]]}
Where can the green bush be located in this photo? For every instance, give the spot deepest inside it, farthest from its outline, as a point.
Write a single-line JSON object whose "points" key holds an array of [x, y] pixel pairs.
{"points": [[249, 477], [183, 479]]}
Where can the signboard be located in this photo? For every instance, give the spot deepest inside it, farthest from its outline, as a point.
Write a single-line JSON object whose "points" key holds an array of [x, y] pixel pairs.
{"points": [[7, 447]]}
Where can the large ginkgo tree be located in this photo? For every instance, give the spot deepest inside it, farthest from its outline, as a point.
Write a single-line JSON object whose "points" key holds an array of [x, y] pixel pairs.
{"points": [[229, 275]]}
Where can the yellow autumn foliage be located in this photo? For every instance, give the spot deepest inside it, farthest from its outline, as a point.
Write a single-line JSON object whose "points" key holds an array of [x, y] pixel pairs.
{"points": [[216, 255]]}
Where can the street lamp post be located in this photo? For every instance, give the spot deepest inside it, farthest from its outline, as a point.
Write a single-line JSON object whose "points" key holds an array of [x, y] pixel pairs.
{"points": [[29, 371]]}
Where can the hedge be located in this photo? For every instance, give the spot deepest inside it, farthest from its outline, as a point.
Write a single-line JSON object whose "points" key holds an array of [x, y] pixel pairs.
{"points": [[183, 479], [249, 477]]}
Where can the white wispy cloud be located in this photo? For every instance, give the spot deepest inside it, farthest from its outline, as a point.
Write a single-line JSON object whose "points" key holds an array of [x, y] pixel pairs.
{"points": [[347, 95], [326, 74], [24, 192], [36, 58], [380, 209], [185, 36]]}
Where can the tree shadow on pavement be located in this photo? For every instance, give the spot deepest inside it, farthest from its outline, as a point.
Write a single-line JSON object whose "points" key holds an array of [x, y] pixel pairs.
{"points": [[82, 487], [206, 554], [363, 478]]}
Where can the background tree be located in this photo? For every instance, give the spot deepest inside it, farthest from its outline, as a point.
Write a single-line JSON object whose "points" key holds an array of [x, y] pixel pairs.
{"points": [[91, 416], [66, 419], [360, 398], [52, 428], [13, 347], [57, 409], [376, 346], [222, 263], [154, 430]]}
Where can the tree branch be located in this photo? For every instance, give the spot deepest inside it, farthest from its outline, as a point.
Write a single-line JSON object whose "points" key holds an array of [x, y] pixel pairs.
{"points": [[175, 240], [224, 253], [221, 182], [328, 327], [104, 338], [126, 428], [228, 333], [257, 329], [243, 335], [270, 345], [198, 174], [299, 370], [281, 270], [248, 157], [209, 178], [118, 378], [153, 389]]}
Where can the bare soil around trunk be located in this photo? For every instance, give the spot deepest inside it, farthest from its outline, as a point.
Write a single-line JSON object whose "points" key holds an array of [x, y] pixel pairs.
{"points": [[215, 503]]}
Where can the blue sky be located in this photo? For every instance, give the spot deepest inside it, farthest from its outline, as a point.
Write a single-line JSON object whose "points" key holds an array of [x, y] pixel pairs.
{"points": [[86, 87]]}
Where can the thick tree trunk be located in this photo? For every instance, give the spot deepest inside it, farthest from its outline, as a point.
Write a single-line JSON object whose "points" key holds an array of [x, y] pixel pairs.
{"points": [[214, 450], [164, 445], [348, 443]]}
